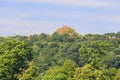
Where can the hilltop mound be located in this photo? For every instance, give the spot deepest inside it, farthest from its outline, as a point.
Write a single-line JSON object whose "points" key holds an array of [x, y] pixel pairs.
{"points": [[65, 30]]}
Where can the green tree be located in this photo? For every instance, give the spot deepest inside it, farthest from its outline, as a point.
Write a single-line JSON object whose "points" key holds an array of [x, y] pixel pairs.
{"points": [[31, 73], [13, 58], [87, 72], [83, 73], [93, 52], [64, 72], [117, 77]]}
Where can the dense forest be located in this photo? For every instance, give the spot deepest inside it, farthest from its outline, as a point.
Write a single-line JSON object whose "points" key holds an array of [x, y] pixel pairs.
{"points": [[63, 55]]}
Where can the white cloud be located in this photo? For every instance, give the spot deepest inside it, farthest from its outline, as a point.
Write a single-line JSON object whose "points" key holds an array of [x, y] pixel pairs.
{"points": [[13, 26], [97, 3], [23, 23], [102, 18], [15, 18], [11, 13]]}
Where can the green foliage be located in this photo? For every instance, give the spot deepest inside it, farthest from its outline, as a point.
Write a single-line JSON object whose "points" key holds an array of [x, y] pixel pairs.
{"points": [[117, 77], [111, 60], [13, 58], [83, 73], [31, 73], [64, 72], [108, 74], [66, 55], [87, 72]]}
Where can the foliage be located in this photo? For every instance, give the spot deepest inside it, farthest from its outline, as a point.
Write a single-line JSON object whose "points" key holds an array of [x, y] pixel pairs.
{"points": [[63, 72], [63, 55], [87, 72], [31, 73], [13, 58]]}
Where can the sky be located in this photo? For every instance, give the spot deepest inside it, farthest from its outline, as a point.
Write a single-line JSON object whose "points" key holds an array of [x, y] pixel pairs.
{"points": [[25, 17]]}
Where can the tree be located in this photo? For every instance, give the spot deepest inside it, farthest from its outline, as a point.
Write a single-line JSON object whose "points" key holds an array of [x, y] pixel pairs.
{"points": [[111, 60], [108, 74], [64, 72], [87, 72], [83, 73], [31, 73], [93, 52], [13, 58], [117, 77]]}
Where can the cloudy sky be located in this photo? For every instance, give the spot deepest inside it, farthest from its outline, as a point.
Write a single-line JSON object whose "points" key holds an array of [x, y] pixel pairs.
{"points": [[24, 17]]}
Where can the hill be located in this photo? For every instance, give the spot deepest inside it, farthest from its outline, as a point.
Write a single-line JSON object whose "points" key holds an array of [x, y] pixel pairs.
{"points": [[65, 30]]}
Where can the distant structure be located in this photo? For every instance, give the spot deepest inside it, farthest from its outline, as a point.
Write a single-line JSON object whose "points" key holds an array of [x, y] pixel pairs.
{"points": [[30, 35], [112, 37]]}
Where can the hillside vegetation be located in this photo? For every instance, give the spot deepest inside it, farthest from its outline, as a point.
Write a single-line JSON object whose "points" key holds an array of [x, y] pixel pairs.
{"points": [[65, 30], [64, 55]]}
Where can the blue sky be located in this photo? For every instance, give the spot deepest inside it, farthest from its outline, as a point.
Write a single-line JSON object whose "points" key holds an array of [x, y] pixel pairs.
{"points": [[24, 17]]}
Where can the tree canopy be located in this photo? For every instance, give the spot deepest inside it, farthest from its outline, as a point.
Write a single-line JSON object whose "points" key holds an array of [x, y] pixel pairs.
{"points": [[60, 56]]}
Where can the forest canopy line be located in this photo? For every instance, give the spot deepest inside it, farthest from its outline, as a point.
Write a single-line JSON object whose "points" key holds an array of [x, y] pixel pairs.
{"points": [[64, 55]]}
